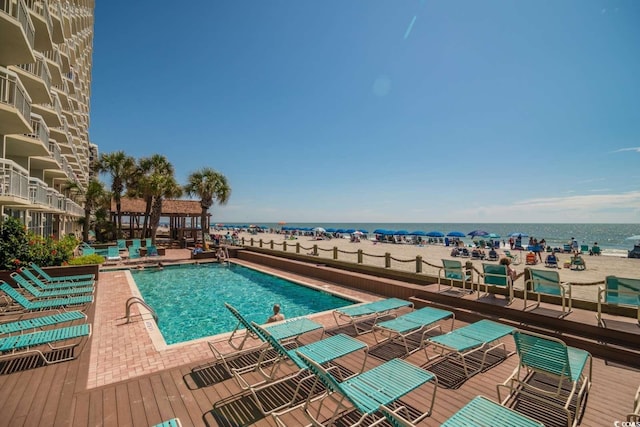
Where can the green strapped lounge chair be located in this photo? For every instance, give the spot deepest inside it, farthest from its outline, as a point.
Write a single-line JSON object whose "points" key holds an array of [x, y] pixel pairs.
{"points": [[454, 271], [496, 275], [461, 342], [134, 252], [113, 253], [417, 321], [324, 352], [482, 412], [281, 331], [35, 323], [619, 291], [365, 392], [122, 244], [152, 250], [51, 279], [560, 364], [14, 297], [53, 285], [547, 282], [515, 259], [18, 345], [37, 293], [371, 310]]}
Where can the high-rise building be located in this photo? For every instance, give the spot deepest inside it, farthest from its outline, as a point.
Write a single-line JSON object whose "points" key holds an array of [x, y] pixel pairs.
{"points": [[45, 86]]}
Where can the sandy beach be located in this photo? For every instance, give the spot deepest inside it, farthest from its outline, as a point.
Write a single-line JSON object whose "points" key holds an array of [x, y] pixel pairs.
{"points": [[403, 258]]}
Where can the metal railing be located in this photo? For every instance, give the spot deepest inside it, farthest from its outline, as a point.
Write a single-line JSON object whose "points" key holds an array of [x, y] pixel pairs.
{"points": [[136, 300], [18, 10], [14, 180], [13, 93], [53, 198], [38, 69], [40, 129], [55, 152], [41, 8], [37, 191]]}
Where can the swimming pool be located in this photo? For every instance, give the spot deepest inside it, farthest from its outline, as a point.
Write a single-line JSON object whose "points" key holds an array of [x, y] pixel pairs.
{"points": [[189, 300]]}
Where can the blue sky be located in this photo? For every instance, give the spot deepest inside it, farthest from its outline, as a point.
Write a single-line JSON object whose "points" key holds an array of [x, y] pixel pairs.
{"points": [[381, 111]]}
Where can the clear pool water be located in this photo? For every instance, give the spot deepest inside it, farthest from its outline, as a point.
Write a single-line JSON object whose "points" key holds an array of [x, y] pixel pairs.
{"points": [[189, 300]]}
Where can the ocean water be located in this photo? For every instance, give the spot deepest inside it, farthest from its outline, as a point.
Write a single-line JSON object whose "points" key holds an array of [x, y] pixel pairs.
{"points": [[613, 239]]}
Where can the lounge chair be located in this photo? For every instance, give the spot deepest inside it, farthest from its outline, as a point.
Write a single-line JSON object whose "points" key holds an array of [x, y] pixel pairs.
{"points": [[548, 283], [418, 321], [493, 255], [53, 279], [453, 271], [282, 331], [35, 323], [122, 244], [551, 261], [365, 392], [595, 250], [484, 335], [324, 351], [87, 250], [15, 301], [561, 366], [134, 252], [113, 253], [148, 242], [354, 314], [152, 250], [136, 243], [483, 412], [531, 259], [496, 275], [515, 259], [619, 291], [19, 345], [49, 293], [577, 263], [584, 249], [635, 415], [53, 285]]}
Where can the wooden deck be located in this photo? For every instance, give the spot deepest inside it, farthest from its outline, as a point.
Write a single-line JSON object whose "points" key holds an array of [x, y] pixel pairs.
{"points": [[58, 395]]}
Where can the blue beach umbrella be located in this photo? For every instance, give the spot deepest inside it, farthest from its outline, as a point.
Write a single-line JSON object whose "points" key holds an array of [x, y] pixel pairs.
{"points": [[350, 230], [341, 230], [363, 231], [456, 234], [492, 236], [477, 233], [331, 230], [418, 233], [379, 231], [518, 234], [401, 233], [435, 234]]}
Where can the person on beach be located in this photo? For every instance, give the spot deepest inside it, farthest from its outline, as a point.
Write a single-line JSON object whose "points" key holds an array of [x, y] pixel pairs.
{"points": [[510, 271], [277, 316]]}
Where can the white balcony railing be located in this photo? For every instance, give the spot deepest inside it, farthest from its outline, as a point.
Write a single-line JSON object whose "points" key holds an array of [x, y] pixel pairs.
{"points": [[13, 93], [54, 151], [18, 10], [37, 191], [53, 198], [55, 105], [14, 180], [40, 129], [41, 8], [72, 208], [38, 69]]}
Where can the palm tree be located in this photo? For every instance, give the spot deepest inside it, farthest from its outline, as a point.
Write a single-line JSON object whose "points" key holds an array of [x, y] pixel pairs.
{"points": [[120, 167], [162, 186], [210, 186]]}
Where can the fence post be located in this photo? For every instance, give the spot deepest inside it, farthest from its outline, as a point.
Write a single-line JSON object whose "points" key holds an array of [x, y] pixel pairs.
{"points": [[271, 244], [315, 249], [335, 252], [419, 264], [359, 256], [387, 260], [260, 242], [297, 248], [284, 246], [252, 241]]}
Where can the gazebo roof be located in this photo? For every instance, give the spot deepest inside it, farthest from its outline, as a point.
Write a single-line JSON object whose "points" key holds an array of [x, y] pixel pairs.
{"points": [[169, 207]]}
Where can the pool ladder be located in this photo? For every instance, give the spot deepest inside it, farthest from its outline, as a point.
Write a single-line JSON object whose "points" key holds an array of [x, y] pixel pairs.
{"points": [[135, 300]]}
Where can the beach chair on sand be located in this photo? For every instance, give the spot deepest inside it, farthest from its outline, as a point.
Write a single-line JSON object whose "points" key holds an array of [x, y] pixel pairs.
{"points": [[23, 344], [551, 261], [515, 259], [496, 275], [484, 335], [54, 279], [38, 293], [365, 392], [482, 412], [566, 371], [453, 271], [419, 321], [324, 351], [548, 283], [16, 302], [53, 285], [355, 314], [619, 291], [286, 331]]}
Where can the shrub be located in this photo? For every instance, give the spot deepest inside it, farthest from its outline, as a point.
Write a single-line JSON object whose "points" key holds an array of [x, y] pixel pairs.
{"points": [[87, 260]]}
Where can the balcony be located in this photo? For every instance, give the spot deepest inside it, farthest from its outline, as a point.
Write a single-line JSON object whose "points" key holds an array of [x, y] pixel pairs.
{"points": [[54, 62], [53, 199], [15, 104], [36, 79], [38, 192], [73, 209], [34, 143], [41, 19], [51, 113], [14, 183], [16, 32]]}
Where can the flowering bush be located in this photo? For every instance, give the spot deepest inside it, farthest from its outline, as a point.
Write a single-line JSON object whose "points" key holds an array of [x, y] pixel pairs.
{"points": [[19, 247]]}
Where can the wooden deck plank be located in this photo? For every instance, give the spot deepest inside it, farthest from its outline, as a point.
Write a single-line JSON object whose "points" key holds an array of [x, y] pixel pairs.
{"points": [[95, 413], [123, 404], [179, 401], [149, 401], [109, 407], [40, 397], [52, 404], [162, 398], [196, 401], [138, 414], [18, 396]]}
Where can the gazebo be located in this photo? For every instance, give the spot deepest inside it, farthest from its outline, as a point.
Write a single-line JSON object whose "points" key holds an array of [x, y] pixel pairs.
{"points": [[183, 215]]}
